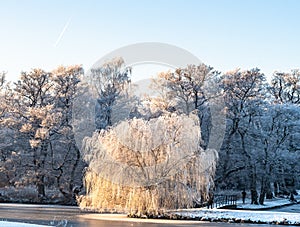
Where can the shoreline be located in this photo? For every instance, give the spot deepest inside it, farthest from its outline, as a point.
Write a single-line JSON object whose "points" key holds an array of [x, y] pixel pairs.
{"points": [[194, 216], [125, 218], [197, 216]]}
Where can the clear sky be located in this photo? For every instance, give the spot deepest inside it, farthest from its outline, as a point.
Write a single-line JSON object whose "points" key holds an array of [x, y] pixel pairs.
{"points": [[225, 34]]}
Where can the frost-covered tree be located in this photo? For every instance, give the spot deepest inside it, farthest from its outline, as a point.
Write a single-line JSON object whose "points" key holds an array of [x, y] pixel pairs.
{"points": [[2, 80], [67, 164], [4, 93], [191, 88], [6, 165], [285, 87], [285, 95], [258, 147], [243, 93], [143, 166], [34, 115], [39, 119], [109, 82], [271, 131]]}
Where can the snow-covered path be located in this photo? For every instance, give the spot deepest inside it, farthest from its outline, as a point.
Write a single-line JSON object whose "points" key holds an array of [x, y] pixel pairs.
{"points": [[271, 203]]}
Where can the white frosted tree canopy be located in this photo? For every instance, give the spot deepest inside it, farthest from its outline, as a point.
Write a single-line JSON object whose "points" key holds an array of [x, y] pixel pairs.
{"points": [[151, 164]]}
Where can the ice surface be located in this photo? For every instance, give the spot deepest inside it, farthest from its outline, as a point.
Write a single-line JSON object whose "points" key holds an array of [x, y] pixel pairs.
{"points": [[17, 224]]}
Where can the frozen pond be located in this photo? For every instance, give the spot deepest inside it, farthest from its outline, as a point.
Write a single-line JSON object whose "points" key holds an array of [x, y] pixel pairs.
{"points": [[72, 216]]}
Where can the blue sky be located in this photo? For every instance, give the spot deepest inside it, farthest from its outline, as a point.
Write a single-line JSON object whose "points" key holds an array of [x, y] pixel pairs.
{"points": [[225, 34]]}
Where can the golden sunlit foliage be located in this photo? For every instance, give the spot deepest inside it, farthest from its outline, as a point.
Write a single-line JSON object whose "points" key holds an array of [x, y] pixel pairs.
{"points": [[145, 166]]}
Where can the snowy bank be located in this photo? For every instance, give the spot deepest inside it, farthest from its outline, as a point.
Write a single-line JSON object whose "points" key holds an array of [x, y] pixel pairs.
{"points": [[194, 216], [245, 213], [124, 218], [213, 215], [237, 216]]}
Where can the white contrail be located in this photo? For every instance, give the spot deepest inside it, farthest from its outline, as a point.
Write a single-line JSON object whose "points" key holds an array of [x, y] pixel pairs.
{"points": [[62, 32]]}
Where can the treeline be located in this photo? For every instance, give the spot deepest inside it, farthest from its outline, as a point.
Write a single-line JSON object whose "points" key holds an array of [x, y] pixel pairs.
{"points": [[260, 149]]}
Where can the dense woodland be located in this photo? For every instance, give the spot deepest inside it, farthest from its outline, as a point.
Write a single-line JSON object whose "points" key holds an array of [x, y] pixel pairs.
{"points": [[42, 161]]}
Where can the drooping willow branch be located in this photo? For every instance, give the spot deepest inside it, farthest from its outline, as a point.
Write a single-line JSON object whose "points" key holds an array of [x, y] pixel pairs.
{"points": [[143, 166]]}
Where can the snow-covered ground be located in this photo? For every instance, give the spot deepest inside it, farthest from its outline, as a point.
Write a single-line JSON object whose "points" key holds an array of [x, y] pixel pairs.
{"points": [[247, 213], [272, 203], [241, 216], [16, 224]]}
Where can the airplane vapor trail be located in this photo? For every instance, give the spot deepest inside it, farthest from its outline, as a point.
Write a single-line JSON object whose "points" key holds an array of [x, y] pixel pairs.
{"points": [[62, 32]]}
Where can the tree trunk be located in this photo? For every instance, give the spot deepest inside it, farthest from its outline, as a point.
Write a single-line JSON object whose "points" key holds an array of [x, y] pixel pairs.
{"points": [[72, 177], [252, 170], [254, 194], [276, 188], [262, 192], [40, 169], [269, 193], [41, 186]]}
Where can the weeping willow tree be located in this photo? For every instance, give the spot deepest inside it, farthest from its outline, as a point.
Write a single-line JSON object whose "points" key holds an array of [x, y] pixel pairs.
{"points": [[146, 166]]}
